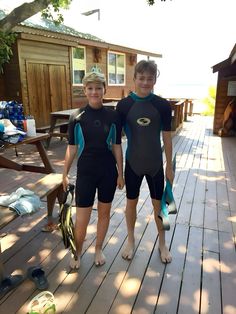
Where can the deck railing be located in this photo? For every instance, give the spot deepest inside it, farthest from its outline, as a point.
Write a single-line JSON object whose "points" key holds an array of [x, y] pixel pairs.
{"points": [[181, 108]]}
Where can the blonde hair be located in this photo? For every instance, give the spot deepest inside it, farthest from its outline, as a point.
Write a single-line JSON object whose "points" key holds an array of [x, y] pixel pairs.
{"points": [[94, 77]]}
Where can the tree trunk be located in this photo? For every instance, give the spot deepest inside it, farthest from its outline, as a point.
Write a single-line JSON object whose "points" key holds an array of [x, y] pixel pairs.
{"points": [[22, 13]]}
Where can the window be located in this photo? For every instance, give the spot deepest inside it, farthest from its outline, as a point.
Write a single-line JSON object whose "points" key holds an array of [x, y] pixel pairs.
{"points": [[78, 64], [116, 68]]}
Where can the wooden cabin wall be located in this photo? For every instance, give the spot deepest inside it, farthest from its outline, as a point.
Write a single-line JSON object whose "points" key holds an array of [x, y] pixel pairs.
{"points": [[123, 91], [45, 78], [2, 88], [11, 76], [221, 103], [224, 76], [112, 92]]}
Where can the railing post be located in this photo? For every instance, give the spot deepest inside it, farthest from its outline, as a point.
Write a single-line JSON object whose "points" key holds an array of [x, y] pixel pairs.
{"points": [[1, 265], [191, 108], [185, 109]]}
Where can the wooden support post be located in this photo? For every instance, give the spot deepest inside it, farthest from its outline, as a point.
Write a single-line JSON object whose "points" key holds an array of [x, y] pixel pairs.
{"points": [[1, 266], [191, 108], [185, 109]]}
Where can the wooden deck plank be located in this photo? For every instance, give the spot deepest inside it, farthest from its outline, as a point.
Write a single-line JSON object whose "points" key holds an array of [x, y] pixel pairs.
{"points": [[228, 272], [211, 290], [172, 278], [189, 301], [197, 214], [115, 264], [201, 278]]}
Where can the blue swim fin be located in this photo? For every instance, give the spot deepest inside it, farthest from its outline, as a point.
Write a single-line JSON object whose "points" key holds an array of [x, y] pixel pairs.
{"points": [[164, 215], [169, 197], [168, 205]]}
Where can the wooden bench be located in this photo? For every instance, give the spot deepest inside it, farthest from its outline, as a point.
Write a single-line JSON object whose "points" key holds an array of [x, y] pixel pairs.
{"points": [[62, 125], [63, 128], [49, 186]]}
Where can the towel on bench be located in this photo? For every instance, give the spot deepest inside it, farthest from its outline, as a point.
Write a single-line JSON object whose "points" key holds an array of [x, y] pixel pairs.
{"points": [[22, 201]]}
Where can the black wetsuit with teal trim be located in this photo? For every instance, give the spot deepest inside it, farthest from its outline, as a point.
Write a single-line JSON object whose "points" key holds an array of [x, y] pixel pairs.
{"points": [[143, 120], [94, 131]]}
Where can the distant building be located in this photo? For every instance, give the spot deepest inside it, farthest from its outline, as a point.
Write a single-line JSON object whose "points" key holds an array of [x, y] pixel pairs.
{"points": [[49, 62]]}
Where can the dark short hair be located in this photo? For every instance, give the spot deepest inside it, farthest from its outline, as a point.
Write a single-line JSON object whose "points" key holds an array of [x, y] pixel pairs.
{"points": [[146, 66]]}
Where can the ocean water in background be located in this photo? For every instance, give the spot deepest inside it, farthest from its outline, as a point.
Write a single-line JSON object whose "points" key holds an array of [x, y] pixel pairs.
{"points": [[193, 91], [197, 92]]}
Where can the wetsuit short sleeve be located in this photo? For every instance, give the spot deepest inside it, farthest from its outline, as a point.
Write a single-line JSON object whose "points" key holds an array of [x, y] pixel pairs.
{"points": [[117, 132], [71, 127]]}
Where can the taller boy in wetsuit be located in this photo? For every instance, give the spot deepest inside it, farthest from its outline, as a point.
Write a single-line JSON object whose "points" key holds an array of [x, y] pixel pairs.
{"points": [[95, 135], [144, 117]]}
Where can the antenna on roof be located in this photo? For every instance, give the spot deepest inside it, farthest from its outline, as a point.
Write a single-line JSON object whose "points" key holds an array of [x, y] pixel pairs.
{"points": [[87, 13]]}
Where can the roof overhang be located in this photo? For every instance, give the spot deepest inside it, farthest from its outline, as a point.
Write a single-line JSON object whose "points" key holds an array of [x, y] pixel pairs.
{"points": [[31, 33], [227, 62]]}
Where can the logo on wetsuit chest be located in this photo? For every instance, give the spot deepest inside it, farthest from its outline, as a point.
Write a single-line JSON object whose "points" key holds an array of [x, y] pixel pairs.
{"points": [[144, 121], [97, 123]]}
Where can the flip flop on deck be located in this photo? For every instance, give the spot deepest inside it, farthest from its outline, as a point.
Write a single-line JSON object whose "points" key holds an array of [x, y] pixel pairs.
{"points": [[9, 283], [42, 303], [50, 227], [37, 275]]}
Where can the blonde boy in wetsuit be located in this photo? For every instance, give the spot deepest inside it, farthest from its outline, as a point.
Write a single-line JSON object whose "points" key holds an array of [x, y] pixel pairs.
{"points": [[95, 135]]}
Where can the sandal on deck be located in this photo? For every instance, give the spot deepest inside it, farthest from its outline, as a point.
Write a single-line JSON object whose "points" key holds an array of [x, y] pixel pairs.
{"points": [[37, 275], [50, 227], [42, 303], [10, 283]]}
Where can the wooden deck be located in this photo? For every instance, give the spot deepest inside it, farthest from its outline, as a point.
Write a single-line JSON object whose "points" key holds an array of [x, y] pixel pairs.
{"points": [[202, 275]]}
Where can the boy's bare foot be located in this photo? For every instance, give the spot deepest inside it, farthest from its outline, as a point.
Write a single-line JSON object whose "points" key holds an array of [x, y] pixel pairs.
{"points": [[74, 264], [100, 258], [165, 255], [128, 251]]}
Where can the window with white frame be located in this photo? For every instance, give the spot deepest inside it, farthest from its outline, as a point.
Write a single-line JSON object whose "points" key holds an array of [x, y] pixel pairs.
{"points": [[116, 68], [79, 64]]}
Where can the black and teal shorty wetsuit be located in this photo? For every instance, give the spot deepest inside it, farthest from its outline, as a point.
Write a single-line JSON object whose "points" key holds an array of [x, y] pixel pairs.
{"points": [[94, 131], [143, 120]]}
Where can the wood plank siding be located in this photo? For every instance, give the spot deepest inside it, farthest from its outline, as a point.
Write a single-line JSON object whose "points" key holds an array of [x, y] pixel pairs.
{"points": [[202, 276], [39, 74], [226, 72], [45, 77], [12, 78]]}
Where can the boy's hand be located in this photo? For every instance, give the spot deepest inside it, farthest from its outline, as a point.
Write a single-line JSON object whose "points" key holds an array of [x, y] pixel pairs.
{"points": [[170, 174], [65, 183], [120, 182]]}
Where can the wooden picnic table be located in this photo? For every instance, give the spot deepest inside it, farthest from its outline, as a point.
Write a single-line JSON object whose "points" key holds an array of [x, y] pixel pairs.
{"points": [[5, 162]]}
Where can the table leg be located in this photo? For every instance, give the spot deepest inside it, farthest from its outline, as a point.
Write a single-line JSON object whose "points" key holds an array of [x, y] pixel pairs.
{"points": [[52, 127], [7, 163], [44, 157], [1, 266]]}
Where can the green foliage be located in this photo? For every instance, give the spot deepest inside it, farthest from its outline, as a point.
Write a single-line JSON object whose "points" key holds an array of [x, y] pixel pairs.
{"points": [[209, 101], [150, 2], [53, 11], [7, 39], [6, 42]]}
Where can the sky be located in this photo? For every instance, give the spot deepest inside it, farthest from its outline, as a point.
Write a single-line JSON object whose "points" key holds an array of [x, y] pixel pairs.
{"points": [[191, 35]]}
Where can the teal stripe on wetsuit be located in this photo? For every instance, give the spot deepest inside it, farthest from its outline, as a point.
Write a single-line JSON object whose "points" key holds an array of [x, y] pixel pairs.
{"points": [[111, 139], [79, 138]]}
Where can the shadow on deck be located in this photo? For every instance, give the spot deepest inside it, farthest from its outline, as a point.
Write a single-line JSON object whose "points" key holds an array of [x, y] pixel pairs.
{"points": [[202, 275]]}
